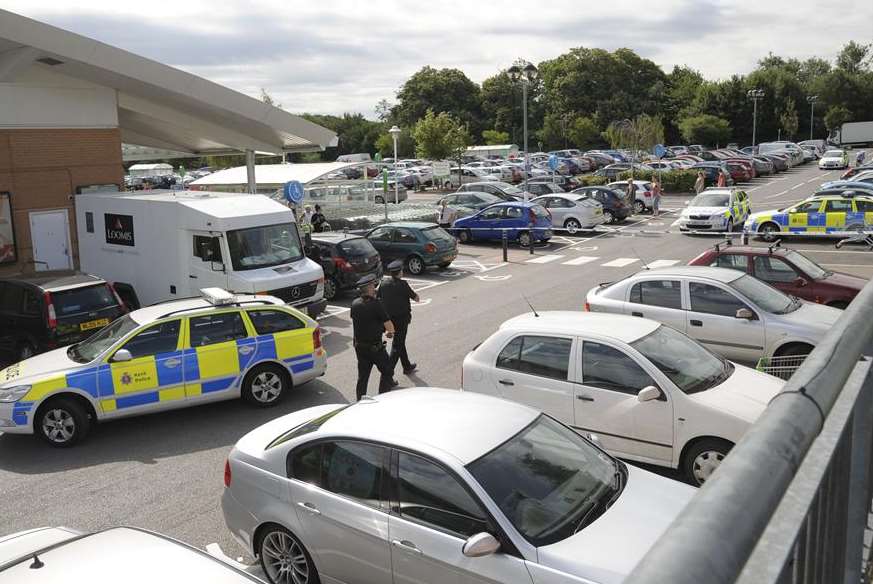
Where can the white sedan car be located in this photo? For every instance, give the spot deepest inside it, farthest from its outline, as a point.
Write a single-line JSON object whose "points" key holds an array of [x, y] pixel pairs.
{"points": [[650, 393], [572, 211], [730, 312], [439, 487], [834, 159]]}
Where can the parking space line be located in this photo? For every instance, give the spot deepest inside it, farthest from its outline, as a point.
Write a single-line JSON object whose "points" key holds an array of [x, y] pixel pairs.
{"points": [[776, 195], [797, 186], [620, 262], [544, 259], [662, 263], [580, 260]]}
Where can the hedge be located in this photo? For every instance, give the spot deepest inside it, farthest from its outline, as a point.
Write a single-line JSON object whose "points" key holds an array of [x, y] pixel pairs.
{"points": [[672, 181], [589, 180]]}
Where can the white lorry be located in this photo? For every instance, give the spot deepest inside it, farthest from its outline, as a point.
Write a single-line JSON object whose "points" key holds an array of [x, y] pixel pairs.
{"points": [[168, 245], [856, 133]]}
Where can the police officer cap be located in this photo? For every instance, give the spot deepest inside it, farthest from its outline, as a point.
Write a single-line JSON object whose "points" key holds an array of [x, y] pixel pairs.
{"points": [[366, 280], [395, 266]]}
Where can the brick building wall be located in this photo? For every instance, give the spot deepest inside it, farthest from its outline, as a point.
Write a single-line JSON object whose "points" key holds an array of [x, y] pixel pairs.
{"points": [[41, 168]]}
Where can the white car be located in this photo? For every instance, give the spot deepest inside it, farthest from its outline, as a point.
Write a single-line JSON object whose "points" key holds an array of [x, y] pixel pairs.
{"points": [[572, 212], [643, 198], [731, 313], [122, 554], [834, 159], [440, 487], [715, 209], [649, 393]]}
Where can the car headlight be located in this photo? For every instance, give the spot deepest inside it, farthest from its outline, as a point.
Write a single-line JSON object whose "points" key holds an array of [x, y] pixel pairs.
{"points": [[13, 394]]}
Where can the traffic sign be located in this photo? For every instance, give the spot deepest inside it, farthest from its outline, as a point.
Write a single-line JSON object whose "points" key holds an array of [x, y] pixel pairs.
{"points": [[378, 157], [554, 162], [659, 150], [293, 191]]}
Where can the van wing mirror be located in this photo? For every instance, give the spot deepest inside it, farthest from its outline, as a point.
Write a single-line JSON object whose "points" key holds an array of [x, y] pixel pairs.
{"points": [[217, 266]]}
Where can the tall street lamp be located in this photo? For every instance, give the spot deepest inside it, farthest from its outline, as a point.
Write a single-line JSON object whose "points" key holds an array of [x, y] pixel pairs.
{"points": [[755, 95], [395, 133], [811, 101], [525, 73]]}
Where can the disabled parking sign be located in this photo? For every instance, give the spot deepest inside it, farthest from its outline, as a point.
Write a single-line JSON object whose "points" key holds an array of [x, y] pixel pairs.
{"points": [[293, 191], [554, 162]]}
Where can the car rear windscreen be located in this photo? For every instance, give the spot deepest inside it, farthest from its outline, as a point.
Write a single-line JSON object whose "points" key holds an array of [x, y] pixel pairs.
{"points": [[539, 211], [437, 233], [357, 247], [79, 300]]}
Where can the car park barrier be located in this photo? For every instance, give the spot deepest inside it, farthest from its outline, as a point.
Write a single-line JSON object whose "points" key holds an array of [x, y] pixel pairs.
{"points": [[791, 502], [782, 367]]}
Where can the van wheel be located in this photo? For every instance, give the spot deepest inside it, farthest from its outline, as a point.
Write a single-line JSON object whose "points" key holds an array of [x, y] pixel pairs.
{"points": [[703, 458], [414, 265], [62, 422], [265, 385]]}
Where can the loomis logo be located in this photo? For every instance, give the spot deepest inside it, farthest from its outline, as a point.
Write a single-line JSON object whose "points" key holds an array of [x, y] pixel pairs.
{"points": [[126, 378], [119, 229]]}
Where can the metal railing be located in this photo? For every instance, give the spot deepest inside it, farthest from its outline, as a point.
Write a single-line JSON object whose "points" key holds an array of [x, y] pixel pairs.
{"points": [[792, 501]]}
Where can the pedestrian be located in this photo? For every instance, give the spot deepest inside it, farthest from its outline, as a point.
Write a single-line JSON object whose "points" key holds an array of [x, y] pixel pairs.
{"points": [[722, 179], [318, 220], [700, 183], [395, 295], [369, 322], [631, 192], [859, 158], [656, 196], [447, 215], [307, 215]]}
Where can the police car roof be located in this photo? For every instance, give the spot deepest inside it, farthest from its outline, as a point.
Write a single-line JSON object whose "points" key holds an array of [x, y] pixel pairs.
{"points": [[156, 311]]}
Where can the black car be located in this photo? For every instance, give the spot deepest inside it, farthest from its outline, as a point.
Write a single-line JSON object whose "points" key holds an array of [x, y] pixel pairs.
{"points": [[710, 173], [538, 189], [504, 191], [345, 259], [43, 312], [615, 209]]}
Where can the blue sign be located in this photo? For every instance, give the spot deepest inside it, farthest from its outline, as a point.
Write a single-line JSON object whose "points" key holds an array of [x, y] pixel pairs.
{"points": [[659, 150], [554, 162], [293, 191]]}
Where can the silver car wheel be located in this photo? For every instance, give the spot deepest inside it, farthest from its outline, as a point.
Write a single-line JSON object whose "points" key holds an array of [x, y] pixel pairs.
{"points": [[414, 266], [705, 464], [266, 387], [284, 559], [58, 426], [572, 226]]}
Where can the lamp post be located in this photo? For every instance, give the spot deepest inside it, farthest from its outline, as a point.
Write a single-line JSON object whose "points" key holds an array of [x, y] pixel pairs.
{"points": [[525, 73], [395, 133], [811, 101], [755, 95]]}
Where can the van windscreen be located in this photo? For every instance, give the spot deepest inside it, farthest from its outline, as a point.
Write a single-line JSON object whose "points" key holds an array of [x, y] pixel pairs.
{"points": [[264, 246]]}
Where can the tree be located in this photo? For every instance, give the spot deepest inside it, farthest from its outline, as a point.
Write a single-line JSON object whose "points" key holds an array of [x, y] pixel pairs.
{"points": [[853, 58], [440, 136], [502, 109], [383, 110], [493, 137], [705, 129], [583, 133], [442, 90], [405, 144], [640, 133], [268, 99], [836, 116], [788, 120]]}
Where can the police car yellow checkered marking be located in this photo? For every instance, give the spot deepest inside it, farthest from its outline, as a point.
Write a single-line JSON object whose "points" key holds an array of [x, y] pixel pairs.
{"points": [[134, 376], [835, 219], [217, 360], [172, 394], [43, 388], [293, 343]]}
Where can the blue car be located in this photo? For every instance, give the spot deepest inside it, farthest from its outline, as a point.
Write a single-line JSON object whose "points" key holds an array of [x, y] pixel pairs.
{"points": [[514, 218]]}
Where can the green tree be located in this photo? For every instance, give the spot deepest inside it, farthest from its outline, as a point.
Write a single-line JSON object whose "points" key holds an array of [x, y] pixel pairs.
{"points": [[502, 109], [583, 132], [493, 137], [405, 145], [442, 90], [640, 133], [836, 116], [705, 129], [440, 136], [853, 58], [788, 120]]}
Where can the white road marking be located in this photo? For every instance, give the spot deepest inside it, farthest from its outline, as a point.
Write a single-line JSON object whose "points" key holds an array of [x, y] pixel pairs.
{"points": [[619, 262], [544, 259], [331, 310], [797, 186], [586, 248], [579, 261], [662, 263], [494, 278], [776, 195]]}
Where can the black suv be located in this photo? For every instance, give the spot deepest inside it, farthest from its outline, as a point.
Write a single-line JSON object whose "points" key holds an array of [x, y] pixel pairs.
{"points": [[46, 311], [345, 259]]}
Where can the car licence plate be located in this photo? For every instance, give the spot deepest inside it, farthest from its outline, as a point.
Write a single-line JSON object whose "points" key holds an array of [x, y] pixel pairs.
{"points": [[92, 324]]}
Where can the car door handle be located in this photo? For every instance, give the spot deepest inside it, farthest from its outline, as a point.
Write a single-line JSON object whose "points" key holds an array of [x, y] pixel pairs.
{"points": [[192, 276], [584, 398], [636, 313], [696, 323], [246, 349], [170, 363], [406, 545], [309, 508], [506, 382]]}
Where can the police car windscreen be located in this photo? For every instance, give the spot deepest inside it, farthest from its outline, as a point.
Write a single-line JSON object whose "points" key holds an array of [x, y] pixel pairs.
{"points": [[80, 300], [710, 200], [264, 246]]}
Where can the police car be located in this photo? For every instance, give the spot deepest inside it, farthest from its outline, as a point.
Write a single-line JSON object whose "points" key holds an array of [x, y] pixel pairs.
{"points": [[847, 211], [166, 356], [715, 209]]}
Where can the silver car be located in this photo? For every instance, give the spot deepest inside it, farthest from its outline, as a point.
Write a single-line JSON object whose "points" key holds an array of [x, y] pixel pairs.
{"points": [[732, 313], [572, 212], [120, 554], [439, 486]]}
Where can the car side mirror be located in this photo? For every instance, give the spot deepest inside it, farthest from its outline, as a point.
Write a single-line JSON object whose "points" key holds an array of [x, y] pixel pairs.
{"points": [[648, 393], [121, 355], [480, 545], [745, 313], [800, 282], [594, 439]]}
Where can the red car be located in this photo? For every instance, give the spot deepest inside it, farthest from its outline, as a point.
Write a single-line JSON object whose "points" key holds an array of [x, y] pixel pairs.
{"points": [[739, 172], [785, 269]]}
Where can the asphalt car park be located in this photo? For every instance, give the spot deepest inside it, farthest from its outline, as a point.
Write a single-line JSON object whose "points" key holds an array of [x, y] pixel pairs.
{"points": [[171, 464]]}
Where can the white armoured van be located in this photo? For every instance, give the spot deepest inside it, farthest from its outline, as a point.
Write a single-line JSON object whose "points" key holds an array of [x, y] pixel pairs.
{"points": [[158, 246]]}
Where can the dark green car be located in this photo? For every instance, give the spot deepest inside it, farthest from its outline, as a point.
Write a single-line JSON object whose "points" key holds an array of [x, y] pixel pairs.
{"points": [[418, 245]]}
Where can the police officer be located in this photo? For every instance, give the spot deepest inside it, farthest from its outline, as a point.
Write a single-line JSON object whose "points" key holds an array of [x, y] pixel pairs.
{"points": [[369, 321], [396, 294]]}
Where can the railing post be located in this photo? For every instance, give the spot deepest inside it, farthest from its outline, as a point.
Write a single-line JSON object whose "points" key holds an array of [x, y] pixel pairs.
{"points": [[858, 504], [530, 232], [505, 243]]}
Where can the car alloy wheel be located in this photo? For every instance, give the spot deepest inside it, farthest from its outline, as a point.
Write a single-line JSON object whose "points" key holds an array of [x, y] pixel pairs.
{"points": [[572, 226], [524, 239], [58, 426], [265, 385], [414, 265], [284, 560], [639, 207], [609, 217], [62, 422], [330, 289]]}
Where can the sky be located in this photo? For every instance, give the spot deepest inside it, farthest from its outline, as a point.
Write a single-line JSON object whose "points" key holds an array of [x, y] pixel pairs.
{"points": [[340, 56]]}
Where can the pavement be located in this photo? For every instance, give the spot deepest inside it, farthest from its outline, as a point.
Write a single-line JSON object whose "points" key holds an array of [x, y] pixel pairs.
{"points": [[164, 472]]}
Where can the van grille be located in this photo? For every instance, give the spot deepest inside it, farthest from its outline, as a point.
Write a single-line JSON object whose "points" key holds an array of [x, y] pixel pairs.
{"points": [[293, 294]]}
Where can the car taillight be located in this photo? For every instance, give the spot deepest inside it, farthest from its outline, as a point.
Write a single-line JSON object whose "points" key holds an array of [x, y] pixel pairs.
{"points": [[342, 264], [227, 474], [50, 310], [117, 297], [587, 307], [316, 338], [430, 248]]}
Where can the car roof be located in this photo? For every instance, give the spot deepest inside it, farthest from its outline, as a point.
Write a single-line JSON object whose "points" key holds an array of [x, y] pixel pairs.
{"points": [[463, 424], [626, 329], [193, 305], [103, 557], [411, 224], [53, 282], [749, 250], [724, 275], [333, 236], [720, 191]]}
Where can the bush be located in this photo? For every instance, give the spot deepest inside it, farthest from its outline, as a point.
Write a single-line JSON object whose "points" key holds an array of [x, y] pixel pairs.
{"points": [[589, 180], [672, 181]]}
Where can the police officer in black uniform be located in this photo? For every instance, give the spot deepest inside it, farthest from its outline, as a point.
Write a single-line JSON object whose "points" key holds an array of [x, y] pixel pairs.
{"points": [[369, 321], [396, 294]]}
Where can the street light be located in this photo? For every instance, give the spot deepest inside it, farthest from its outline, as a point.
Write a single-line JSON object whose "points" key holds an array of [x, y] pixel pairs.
{"points": [[395, 133], [755, 95], [525, 73], [811, 101]]}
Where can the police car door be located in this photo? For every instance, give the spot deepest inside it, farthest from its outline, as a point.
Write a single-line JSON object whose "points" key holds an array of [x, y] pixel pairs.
{"points": [[206, 262], [151, 379], [216, 355], [836, 212], [806, 217]]}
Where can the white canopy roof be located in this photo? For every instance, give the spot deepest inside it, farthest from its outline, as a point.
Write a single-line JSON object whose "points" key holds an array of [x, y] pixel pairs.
{"points": [[273, 174], [158, 106]]}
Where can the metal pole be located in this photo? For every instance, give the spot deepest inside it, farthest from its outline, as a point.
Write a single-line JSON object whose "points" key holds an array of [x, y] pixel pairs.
{"points": [[505, 242], [754, 120], [396, 181], [811, 117], [250, 172], [524, 115]]}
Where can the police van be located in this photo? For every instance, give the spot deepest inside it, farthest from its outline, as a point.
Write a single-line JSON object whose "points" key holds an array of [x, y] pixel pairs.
{"points": [[160, 246], [172, 355]]}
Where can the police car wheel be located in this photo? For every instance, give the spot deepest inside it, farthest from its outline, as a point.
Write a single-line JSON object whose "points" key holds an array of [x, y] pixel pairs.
{"points": [[264, 386], [768, 231], [62, 422]]}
